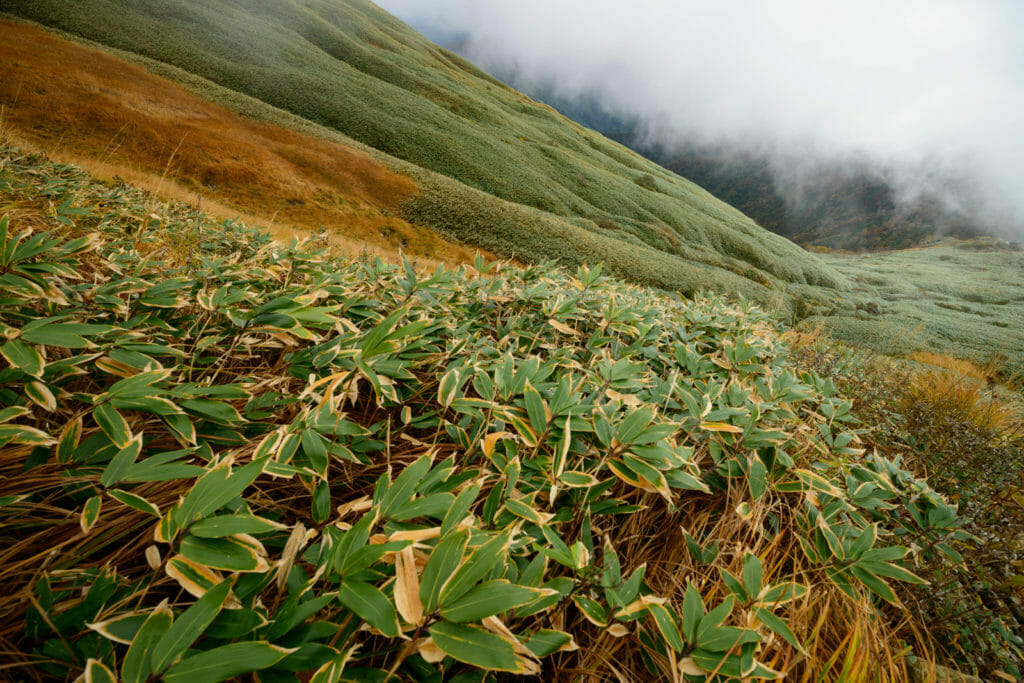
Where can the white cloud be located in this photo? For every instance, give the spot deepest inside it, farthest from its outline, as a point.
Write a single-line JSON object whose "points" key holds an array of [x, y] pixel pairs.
{"points": [[910, 82]]}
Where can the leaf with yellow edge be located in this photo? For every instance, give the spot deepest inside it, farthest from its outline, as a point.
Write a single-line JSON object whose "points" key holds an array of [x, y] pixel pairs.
{"points": [[525, 511], [193, 577], [639, 605], [41, 395], [120, 629], [97, 672], [475, 646], [721, 427], [331, 671], [491, 440], [90, 513]]}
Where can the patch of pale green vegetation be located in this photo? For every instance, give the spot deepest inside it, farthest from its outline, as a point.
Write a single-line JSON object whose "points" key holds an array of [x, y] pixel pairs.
{"points": [[965, 299], [223, 455]]}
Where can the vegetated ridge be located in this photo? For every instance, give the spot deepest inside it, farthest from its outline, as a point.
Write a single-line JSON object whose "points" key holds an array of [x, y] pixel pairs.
{"points": [[349, 66], [953, 299], [223, 455]]}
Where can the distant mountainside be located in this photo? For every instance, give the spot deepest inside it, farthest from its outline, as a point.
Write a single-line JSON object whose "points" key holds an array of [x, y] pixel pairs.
{"points": [[849, 204], [350, 66]]}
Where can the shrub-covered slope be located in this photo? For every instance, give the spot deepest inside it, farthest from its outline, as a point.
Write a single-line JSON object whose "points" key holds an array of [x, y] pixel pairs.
{"points": [[222, 455], [350, 66]]}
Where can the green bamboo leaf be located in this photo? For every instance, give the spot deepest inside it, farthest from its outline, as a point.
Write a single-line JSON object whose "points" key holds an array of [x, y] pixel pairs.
{"points": [[226, 662], [230, 554], [121, 629], [370, 605], [436, 505], [14, 412], [137, 666], [219, 486], [235, 623], [488, 598], [475, 646], [188, 627], [520, 509], [545, 642], [536, 408], [23, 356], [67, 335], [90, 513], [444, 560], [401, 490], [734, 585], [332, 670], [217, 412], [97, 672], [315, 448], [478, 565], [138, 386], [592, 610], [29, 436], [666, 625], [779, 626], [459, 508], [321, 507], [724, 638], [133, 501], [889, 570], [112, 424], [752, 574], [574, 479], [693, 613], [122, 462], [633, 426], [876, 585], [40, 394], [447, 390], [757, 477]]}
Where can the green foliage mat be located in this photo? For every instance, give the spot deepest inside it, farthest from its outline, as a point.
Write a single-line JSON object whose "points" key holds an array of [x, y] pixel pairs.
{"points": [[223, 455]]}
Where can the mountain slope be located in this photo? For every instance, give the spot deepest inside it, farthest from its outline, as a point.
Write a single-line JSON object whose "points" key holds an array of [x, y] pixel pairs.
{"points": [[85, 107], [350, 66], [843, 203]]}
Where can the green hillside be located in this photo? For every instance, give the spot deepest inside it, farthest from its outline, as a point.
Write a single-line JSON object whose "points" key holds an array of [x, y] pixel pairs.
{"points": [[529, 184], [351, 67]]}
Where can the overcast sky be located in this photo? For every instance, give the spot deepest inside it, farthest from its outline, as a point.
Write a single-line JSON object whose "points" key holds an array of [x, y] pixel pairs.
{"points": [[912, 82]]}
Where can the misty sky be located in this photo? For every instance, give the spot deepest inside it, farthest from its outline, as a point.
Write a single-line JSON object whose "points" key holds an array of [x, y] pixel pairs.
{"points": [[935, 84]]}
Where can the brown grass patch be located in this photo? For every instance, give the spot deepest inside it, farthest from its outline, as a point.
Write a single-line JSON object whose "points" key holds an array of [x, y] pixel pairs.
{"points": [[116, 119], [966, 397], [957, 365]]}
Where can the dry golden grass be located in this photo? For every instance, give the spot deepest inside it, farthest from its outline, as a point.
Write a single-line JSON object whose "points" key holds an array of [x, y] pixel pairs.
{"points": [[967, 397], [116, 120], [959, 366]]}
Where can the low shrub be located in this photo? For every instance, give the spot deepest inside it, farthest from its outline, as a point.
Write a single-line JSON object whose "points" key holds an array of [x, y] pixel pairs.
{"points": [[260, 457]]}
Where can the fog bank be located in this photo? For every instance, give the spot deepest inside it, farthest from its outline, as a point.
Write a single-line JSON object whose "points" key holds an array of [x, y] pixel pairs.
{"points": [[930, 90]]}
